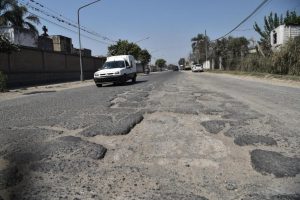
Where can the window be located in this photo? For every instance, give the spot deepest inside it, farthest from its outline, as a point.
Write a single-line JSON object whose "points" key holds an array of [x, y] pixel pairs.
{"points": [[274, 37], [114, 64], [127, 64]]}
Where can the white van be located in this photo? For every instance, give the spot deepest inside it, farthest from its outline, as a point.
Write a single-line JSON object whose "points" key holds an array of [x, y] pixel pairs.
{"points": [[116, 69]]}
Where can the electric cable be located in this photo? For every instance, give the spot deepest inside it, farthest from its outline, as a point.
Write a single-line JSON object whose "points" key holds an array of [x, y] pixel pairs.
{"points": [[243, 21]]}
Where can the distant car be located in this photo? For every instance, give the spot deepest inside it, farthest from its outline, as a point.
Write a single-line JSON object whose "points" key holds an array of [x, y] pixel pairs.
{"points": [[197, 68], [175, 68]]}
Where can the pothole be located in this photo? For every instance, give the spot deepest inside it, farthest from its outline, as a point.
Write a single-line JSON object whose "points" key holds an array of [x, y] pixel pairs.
{"points": [[214, 126], [269, 162], [121, 127], [245, 140]]}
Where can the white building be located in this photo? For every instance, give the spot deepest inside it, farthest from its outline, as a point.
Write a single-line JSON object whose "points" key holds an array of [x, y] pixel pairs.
{"points": [[282, 34], [20, 36]]}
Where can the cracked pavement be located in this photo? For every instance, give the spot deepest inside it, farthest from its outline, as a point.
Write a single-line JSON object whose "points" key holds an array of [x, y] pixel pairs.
{"points": [[173, 135]]}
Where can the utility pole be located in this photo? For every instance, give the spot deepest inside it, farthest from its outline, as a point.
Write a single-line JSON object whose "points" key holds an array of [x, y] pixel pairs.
{"points": [[79, 37], [205, 49]]}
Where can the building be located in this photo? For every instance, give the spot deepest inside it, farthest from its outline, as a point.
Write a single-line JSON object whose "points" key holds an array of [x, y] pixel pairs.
{"points": [[282, 34], [20, 36], [62, 43], [84, 52], [45, 43]]}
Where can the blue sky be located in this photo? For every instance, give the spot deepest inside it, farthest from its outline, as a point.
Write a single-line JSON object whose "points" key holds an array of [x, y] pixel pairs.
{"points": [[170, 24]]}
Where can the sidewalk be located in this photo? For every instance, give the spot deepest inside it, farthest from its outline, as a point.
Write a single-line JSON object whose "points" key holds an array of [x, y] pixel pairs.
{"points": [[21, 92]]}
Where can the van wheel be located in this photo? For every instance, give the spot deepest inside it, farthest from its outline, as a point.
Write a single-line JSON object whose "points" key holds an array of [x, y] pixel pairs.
{"points": [[124, 78], [99, 85], [134, 78]]}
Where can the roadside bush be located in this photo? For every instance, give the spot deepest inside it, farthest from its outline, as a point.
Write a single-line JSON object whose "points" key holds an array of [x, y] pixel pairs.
{"points": [[287, 60], [256, 63], [283, 62], [3, 80]]}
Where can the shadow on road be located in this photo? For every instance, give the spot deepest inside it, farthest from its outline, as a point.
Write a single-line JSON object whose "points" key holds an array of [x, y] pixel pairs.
{"points": [[124, 84]]}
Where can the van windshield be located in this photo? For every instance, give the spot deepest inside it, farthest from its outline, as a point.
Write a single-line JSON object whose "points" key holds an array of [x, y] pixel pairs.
{"points": [[114, 64]]}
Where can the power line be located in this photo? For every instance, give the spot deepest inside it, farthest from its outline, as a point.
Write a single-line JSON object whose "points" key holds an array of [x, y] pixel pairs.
{"points": [[70, 30], [65, 20], [247, 29], [73, 22], [259, 6]]}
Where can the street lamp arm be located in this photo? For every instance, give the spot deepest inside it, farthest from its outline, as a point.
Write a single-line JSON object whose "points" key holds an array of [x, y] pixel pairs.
{"points": [[87, 5]]}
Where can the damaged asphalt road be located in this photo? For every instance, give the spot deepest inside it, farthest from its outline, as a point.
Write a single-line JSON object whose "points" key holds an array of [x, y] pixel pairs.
{"points": [[173, 135]]}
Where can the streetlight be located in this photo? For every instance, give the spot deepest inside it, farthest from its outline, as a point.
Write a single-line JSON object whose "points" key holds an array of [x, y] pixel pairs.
{"points": [[80, 56]]}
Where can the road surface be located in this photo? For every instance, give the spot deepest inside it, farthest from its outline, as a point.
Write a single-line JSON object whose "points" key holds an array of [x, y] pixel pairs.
{"points": [[172, 135]]}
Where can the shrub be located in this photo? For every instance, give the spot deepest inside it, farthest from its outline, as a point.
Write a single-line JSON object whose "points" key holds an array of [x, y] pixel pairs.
{"points": [[3, 80], [287, 60], [256, 63]]}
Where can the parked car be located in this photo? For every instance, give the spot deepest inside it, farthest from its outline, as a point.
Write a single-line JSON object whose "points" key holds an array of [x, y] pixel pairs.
{"points": [[116, 69], [197, 68]]}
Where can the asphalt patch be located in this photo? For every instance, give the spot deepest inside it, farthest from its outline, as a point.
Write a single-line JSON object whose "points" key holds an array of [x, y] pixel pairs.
{"points": [[269, 162], [245, 140], [214, 126]]}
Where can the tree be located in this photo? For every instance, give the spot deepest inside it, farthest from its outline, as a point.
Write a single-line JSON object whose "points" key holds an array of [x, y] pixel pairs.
{"points": [[123, 47], [181, 61], [160, 63], [198, 47], [231, 50], [270, 23], [292, 18], [6, 46], [17, 15], [144, 57]]}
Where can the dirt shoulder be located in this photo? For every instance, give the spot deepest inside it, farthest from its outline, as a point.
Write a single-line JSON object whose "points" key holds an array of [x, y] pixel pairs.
{"points": [[280, 80]]}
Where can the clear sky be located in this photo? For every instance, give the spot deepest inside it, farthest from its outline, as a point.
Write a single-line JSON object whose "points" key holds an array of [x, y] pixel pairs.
{"points": [[169, 24]]}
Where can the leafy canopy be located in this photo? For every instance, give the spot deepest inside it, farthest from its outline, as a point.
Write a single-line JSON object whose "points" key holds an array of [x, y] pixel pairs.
{"points": [[198, 47], [160, 63], [181, 61], [6, 46], [123, 47], [11, 12]]}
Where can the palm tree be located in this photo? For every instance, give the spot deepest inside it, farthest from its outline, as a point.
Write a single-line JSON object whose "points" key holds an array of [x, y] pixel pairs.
{"points": [[4, 5], [17, 15]]}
